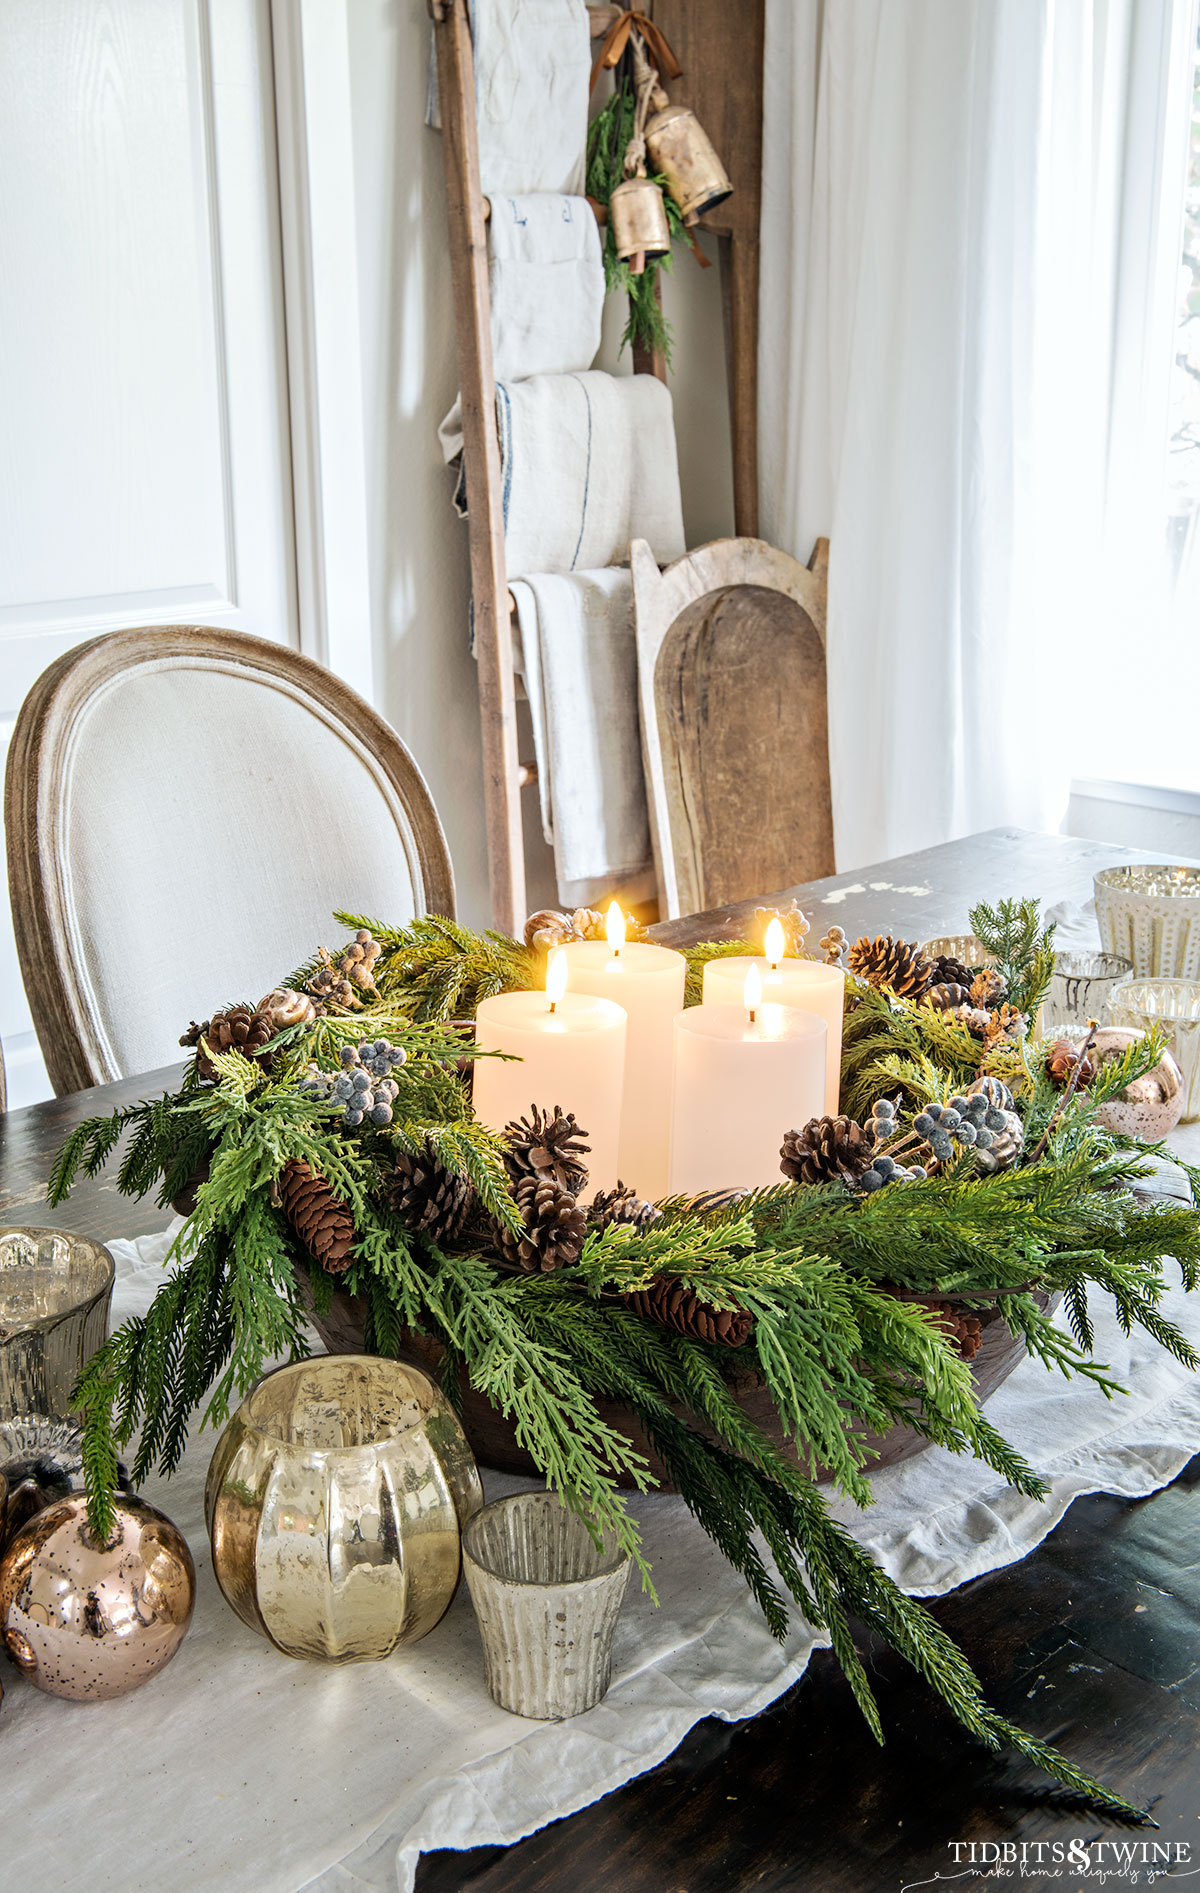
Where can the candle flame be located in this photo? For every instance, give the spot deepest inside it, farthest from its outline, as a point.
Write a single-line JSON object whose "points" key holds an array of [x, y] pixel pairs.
{"points": [[752, 992], [557, 969], [776, 941], [614, 927]]}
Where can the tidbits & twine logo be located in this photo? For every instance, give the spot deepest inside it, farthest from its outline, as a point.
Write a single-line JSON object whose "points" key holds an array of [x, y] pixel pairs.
{"points": [[1102, 1862]]}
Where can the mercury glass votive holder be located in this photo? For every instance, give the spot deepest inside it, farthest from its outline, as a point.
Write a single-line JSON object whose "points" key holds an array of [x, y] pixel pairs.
{"points": [[55, 1293], [957, 946], [1151, 914], [1080, 987], [1173, 1004], [547, 1597], [335, 1503]]}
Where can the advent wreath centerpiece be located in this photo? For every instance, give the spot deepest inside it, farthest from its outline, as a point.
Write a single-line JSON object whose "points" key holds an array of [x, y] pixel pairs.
{"points": [[742, 1347]]}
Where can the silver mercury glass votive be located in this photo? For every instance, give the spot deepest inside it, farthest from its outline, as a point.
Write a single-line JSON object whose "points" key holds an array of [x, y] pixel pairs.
{"points": [[55, 1291], [547, 1597], [1080, 987]]}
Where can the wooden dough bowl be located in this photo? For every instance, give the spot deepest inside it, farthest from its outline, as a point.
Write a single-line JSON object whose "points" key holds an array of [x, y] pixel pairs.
{"points": [[493, 1439]]}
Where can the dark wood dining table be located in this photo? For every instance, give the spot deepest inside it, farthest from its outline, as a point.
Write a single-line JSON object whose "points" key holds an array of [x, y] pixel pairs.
{"points": [[1092, 1641]]}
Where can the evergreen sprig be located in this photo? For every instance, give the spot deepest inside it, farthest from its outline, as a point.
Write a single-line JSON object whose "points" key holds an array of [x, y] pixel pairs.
{"points": [[839, 1355]]}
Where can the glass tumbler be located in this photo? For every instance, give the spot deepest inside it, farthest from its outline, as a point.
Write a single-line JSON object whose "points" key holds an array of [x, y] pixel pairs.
{"points": [[55, 1292], [1081, 986], [547, 1598]]}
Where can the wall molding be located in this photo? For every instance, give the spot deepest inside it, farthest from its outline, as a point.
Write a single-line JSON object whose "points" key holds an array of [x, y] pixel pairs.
{"points": [[1138, 795], [313, 120]]}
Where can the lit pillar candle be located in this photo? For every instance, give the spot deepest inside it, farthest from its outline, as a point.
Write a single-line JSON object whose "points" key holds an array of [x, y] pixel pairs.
{"points": [[648, 982], [744, 1074], [805, 984], [572, 1052]]}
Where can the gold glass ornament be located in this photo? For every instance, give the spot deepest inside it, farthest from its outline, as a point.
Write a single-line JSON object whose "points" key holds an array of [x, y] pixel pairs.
{"points": [[335, 1502], [88, 1620], [639, 221], [55, 1291], [681, 151]]}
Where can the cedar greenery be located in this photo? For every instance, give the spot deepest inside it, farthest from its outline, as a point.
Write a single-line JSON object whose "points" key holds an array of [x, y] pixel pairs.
{"points": [[841, 1355], [608, 136]]}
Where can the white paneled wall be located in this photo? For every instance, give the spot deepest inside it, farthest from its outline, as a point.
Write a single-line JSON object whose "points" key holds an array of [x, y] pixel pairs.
{"points": [[145, 472]]}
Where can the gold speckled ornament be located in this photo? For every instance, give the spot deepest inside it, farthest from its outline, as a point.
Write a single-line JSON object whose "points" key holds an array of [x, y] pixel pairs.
{"points": [[89, 1621]]}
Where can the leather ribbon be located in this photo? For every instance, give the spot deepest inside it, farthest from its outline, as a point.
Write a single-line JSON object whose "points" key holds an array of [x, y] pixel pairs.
{"points": [[617, 38]]}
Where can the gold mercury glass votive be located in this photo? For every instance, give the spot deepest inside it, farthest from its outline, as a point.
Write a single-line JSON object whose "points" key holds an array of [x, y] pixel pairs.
{"points": [[1173, 1004], [335, 1502], [55, 1292]]}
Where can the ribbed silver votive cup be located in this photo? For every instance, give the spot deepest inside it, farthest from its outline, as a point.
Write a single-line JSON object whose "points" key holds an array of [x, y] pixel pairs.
{"points": [[1081, 986], [547, 1598], [55, 1291]]}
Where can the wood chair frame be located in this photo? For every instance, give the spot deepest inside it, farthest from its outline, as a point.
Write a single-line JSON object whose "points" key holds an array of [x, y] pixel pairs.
{"points": [[72, 1042]]}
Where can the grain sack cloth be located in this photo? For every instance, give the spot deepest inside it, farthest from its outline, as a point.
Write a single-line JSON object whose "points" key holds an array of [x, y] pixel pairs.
{"points": [[588, 463], [577, 657], [532, 66], [546, 288]]}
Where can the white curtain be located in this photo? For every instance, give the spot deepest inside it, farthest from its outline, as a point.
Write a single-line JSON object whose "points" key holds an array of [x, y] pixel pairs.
{"points": [[945, 188]]}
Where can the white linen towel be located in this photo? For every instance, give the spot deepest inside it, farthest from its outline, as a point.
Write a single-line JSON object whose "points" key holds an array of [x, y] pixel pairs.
{"points": [[546, 284], [533, 61], [588, 461], [578, 660]]}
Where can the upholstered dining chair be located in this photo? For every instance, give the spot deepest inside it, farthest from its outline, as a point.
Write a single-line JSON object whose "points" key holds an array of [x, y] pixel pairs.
{"points": [[185, 807]]}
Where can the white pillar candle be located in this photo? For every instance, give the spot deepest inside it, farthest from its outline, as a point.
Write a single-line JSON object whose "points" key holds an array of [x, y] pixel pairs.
{"points": [[572, 1052], [648, 982], [805, 984], [744, 1074]]}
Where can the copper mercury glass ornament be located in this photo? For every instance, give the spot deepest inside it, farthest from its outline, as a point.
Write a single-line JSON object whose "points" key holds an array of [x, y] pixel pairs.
{"points": [[88, 1620]]}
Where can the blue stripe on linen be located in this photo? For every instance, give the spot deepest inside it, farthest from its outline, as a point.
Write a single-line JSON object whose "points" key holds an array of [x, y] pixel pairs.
{"points": [[587, 473]]}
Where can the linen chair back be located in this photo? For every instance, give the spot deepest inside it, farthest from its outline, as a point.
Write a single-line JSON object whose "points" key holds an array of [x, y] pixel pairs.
{"points": [[735, 741], [185, 807]]}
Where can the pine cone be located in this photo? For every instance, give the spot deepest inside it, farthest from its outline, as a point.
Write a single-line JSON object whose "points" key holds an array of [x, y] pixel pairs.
{"points": [[948, 971], [897, 964], [827, 1148], [987, 988], [1061, 1059], [427, 1196], [977, 1021], [555, 1226], [962, 1327], [245, 1029], [547, 1144], [1006, 1023], [320, 1219], [668, 1302], [287, 1007], [622, 1205], [947, 995]]}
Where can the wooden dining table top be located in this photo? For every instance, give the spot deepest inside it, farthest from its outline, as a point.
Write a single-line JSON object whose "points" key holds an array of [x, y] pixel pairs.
{"points": [[1092, 1641]]}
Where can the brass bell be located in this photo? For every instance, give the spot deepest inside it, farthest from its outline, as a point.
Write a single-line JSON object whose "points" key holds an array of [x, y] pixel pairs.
{"points": [[682, 153], [639, 222]]}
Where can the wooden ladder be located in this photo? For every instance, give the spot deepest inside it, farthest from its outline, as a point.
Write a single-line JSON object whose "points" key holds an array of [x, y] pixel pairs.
{"points": [[722, 82]]}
